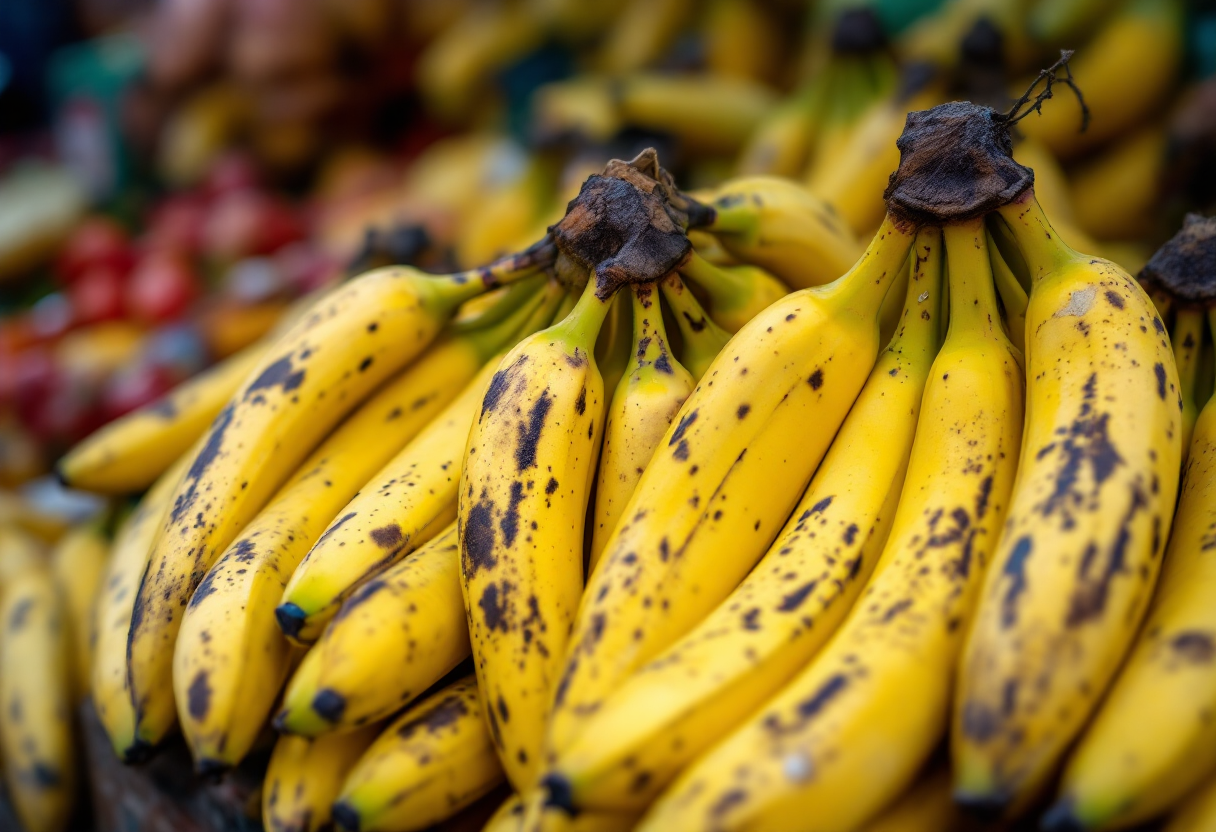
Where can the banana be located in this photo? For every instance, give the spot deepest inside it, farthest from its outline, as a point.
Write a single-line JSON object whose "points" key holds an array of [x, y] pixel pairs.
{"points": [[36, 711], [1197, 813], [1125, 72], [304, 777], [780, 226], [741, 39], [509, 817], [231, 657], [19, 551], [701, 338], [725, 478], [410, 499], [1051, 185], [641, 409], [128, 454], [935, 38], [427, 765], [392, 639], [926, 807], [1188, 344], [1117, 192], [529, 464], [112, 613], [353, 339], [614, 349], [1087, 523], [1152, 741], [674, 707], [1052, 21], [78, 562], [641, 32], [1013, 297], [781, 143], [709, 114], [852, 729], [736, 294]]}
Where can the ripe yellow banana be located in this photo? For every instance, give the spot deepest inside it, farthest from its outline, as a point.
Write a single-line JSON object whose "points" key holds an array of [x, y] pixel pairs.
{"points": [[36, 707], [641, 410], [351, 340], [736, 294], [850, 732], [19, 551], [427, 765], [1125, 72], [742, 40], [112, 615], [674, 707], [528, 468], [712, 114], [1051, 185], [304, 777], [1152, 740], [641, 32], [128, 454], [781, 143], [393, 638], [926, 807], [230, 656], [701, 338], [780, 226], [409, 500], [78, 562], [510, 818], [726, 477], [1116, 193], [1087, 522]]}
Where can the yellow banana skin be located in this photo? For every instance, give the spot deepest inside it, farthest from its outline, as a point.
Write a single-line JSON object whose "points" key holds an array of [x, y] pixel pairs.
{"points": [[736, 293], [112, 615], [510, 818], [926, 807], [128, 454], [394, 637], [853, 728], [1087, 522], [230, 656], [398, 508], [1197, 813], [528, 470], [1115, 194], [1013, 297], [351, 340], [725, 478], [702, 338], [673, 708], [39, 759], [1188, 345], [780, 226], [19, 551], [1125, 71], [78, 562], [305, 775], [427, 765], [1152, 741], [640, 412]]}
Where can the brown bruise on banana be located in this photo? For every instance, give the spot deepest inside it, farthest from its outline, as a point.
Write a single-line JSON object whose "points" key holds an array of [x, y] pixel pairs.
{"points": [[1103, 493], [28, 763], [209, 496], [541, 394]]}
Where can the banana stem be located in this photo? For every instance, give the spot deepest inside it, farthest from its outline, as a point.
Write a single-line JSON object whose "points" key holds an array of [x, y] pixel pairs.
{"points": [[1036, 239], [719, 278], [919, 328], [511, 299], [863, 287], [458, 287], [702, 338], [582, 325], [973, 305], [1013, 296], [650, 343]]}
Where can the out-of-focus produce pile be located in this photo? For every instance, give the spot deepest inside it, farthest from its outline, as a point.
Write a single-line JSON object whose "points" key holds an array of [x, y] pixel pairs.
{"points": [[567, 414]]}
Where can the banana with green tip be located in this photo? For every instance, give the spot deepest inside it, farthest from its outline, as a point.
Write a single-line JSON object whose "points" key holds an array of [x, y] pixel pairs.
{"points": [[305, 775], [36, 707], [401, 506], [1087, 524], [230, 656], [782, 227], [641, 409], [725, 478], [736, 294], [427, 765], [701, 338], [677, 705], [340, 351], [392, 639]]}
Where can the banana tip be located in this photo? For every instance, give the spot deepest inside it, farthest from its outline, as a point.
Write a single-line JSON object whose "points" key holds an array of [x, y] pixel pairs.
{"points": [[559, 794], [1061, 817], [982, 806], [210, 769], [291, 619], [345, 816], [139, 751]]}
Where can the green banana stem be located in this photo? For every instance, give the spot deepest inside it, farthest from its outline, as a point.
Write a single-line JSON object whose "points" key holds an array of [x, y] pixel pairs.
{"points": [[858, 290], [702, 338], [615, 345], [581, 327], [1038, 242], [451, 290], [1013, 296], [509, 300], [973, 304], [489, 340]]}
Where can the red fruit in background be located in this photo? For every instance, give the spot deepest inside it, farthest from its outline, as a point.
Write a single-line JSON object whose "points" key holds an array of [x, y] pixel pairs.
{"points": [[176, 224], [69, 413], [161, 288], [247, 223], [133, 388], [26, 379], [233, 171], [97, 295], [95, 242]]}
